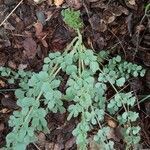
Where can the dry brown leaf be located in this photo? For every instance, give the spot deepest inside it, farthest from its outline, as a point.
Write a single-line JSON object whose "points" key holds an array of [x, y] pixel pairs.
{"points": [[12, 65], [108, 16], [93, 145], [69, 144], [38, 30], [30, 47], [9, 103], [58, 2], [112, 135], [40, 34], [2, 83], [2, 126], [112, 123], [76, 4]]}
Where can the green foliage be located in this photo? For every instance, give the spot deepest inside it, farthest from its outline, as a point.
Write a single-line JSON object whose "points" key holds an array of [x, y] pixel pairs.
{"points": [[86, 89], [20, 75], [101, 137], [119, 100], [72, 18]]}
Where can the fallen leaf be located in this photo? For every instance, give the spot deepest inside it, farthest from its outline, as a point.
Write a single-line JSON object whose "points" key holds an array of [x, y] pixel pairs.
{"points": [[49, 2], [30, 47], [12, 65], [54, 146], [58, 2], [1, 126], [112, 123], [69, 144], [22, 66], [147, 76], [147, 107], [93, 145], [2, 83], [109, 17], [9, 103], [8, 26], [39, 1], [44, 43], [40, 34], [3, 59], [41, 137], [4, 111], [132, 2], [38, 29], [76, 4], [97, 23], [112, 135]]}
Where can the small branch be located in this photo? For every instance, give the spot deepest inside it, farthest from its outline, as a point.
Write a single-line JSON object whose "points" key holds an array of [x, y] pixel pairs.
{"points": [[11, 13]]}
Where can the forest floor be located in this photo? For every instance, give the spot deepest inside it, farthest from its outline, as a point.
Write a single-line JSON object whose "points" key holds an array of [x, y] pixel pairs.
{"points": [[34, 30]]}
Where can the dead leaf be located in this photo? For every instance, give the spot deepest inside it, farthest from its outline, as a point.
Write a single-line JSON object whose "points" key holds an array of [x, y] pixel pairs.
{"points": [[97, 23], [76, 4], [38, 29], [49, 2], [112, 123], [41, 137], [39, 1], [132, 2], [69, 144], [146, 59], [1, 126], [8, 26], [108, 16], [54, 146], [112, 135], [3, 59], [2, 83], [40, 34], [4, 111], [124, 10], [12, 65], [58, 2], [9, 103], [140, 28], [22, 66], [93, 145], [148, 78], [147, 107], [30, 47]]}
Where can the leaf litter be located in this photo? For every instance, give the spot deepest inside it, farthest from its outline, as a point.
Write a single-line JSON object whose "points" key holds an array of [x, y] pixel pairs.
{"points": [[23, 33]]}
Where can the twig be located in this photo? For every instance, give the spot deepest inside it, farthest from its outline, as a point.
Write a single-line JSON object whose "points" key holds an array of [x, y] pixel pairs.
{"points": [[11, 13], [120, 42], [138, 33], [36, 146]]}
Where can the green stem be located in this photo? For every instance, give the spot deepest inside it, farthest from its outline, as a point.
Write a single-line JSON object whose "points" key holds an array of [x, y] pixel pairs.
{"points": [[54, 68], [70, 45], [31, 109], [115, 91]]}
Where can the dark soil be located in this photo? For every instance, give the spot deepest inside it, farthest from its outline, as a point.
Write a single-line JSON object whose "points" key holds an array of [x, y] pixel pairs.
{"points": [[32, 31]]}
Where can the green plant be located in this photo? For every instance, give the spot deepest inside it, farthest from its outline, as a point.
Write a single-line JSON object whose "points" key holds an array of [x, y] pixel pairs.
{"points": [[72, 18], [86, 91]]}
